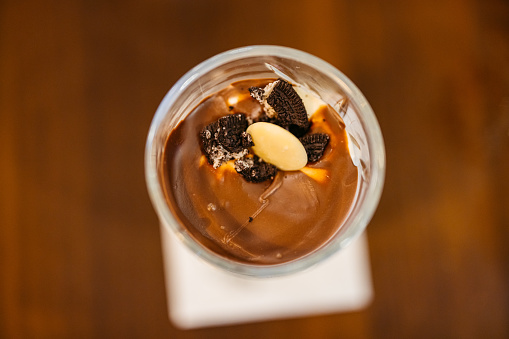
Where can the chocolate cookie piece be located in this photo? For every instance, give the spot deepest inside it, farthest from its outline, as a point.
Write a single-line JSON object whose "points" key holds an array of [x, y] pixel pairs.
{"points": [[291, 113], [315, 145], [283, 105], [254, 169], [232, 132], [225, 139]]}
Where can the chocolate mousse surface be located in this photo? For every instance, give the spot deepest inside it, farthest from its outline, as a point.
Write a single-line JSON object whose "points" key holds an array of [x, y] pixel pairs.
{"points": [[264, 223]]}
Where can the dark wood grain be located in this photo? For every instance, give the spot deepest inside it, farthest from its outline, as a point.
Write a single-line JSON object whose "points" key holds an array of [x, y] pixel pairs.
{"points": [[80, 81]]}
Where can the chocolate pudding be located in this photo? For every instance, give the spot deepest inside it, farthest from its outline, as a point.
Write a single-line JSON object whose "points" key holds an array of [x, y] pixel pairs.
{"points": [[264, 221]]}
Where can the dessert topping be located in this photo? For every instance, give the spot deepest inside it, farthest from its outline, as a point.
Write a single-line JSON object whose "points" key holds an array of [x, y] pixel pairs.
{"points": [[277, 146], [314, 145], [281, 101], [232, 132], [273, 137], [226, 139], [254, 169]]}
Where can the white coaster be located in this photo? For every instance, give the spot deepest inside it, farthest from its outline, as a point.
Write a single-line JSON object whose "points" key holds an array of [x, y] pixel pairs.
{"points": [[200, 295]]}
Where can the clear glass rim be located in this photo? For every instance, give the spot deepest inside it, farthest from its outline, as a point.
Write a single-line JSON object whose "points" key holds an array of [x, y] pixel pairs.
{"points": [[375, 144]]}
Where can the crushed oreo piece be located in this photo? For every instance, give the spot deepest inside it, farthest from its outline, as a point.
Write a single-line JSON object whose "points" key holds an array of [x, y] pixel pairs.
{"points": [[231, 134], [315, 145], [226, 139], [291, 113], [255, 169], [281, 101]]}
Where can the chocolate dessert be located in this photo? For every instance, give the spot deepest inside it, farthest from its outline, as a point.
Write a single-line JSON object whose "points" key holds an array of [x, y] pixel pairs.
{"points": [[259, 176]]}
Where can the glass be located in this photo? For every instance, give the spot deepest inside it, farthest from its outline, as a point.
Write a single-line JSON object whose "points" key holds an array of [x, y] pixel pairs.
{"points": [[365, 139]]}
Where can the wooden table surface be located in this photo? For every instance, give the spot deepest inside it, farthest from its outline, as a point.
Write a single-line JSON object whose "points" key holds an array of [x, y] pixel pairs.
{"points": [[80, 82]]}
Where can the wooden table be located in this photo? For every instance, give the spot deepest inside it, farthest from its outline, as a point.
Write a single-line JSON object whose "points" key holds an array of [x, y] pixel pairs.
{"points": [[80, 82]]}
